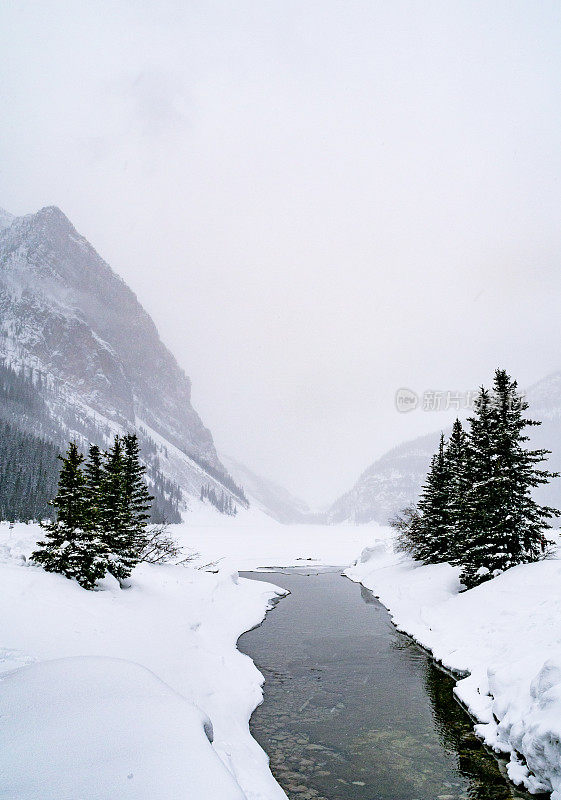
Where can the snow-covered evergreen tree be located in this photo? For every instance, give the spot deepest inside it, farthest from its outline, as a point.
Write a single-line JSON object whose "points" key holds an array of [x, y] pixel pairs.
{"points": [[476, 508], [507, 525], [93, 472], [137, 499], [458, 464], [113, 513], [480, 500], [434, 522], [71, 545], [124, 507]]}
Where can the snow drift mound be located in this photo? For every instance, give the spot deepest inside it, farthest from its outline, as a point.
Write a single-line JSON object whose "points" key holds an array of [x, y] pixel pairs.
{"points": [[94, 728]]}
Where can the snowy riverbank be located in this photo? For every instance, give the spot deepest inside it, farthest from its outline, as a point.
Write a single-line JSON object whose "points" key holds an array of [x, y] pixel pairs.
{"points": [[108, 693], [506, 634], [117, 685]]}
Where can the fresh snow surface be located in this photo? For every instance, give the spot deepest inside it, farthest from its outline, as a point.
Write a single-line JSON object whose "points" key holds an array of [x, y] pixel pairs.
{"points": [[504, 636], [253, 540], [107, 694]]}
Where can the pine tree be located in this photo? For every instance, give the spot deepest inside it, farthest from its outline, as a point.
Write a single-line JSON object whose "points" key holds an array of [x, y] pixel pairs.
{"points": [[434, 521], [458, 465], [523, 521], [113, 514], [93, 472], [137, 498], [507, 525], [71, 546], [480, 500]]}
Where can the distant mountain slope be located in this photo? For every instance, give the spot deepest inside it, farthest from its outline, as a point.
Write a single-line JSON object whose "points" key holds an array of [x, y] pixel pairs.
{"points": [[390, 483], [71, 323], [6, 219], [395, 479], [269, 497]]}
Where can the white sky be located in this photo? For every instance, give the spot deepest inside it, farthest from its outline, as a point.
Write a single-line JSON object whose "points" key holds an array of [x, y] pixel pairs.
{"points": [[318, 202]]}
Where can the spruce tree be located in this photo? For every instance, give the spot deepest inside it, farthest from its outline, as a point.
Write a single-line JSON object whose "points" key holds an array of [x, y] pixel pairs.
{"points": [[522, 521], [124, 506], [458, 464], [434, 521], [137, 498], [507, 525], [480, 499], [93, 472], [113, 514], [71, 546]]}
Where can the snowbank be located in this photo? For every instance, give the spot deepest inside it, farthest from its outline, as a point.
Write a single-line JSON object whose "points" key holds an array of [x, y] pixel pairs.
{"points": [[106, 694], [504, 635], [101, 727]]}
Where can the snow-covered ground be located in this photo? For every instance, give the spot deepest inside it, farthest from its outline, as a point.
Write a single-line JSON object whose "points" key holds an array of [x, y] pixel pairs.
{"points": [[504, 635], [253, 540], [106, 694]]}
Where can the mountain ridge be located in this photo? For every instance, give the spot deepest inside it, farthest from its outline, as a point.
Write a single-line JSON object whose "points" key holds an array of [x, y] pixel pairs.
{"points": [[271, 498], [395, 479], [70, 321]]}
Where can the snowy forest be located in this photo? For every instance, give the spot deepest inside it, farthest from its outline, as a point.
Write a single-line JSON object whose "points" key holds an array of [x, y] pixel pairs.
{"points": [[28, 474], [31, 439]]}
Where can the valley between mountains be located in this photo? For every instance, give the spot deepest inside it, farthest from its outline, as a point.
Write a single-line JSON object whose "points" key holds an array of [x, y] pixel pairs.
{"points": [[138, 689]]}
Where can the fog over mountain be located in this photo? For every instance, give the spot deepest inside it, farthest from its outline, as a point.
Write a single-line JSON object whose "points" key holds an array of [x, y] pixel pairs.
{"points": [[267, 495], [79, 335], [316, 203], [394, 480]]}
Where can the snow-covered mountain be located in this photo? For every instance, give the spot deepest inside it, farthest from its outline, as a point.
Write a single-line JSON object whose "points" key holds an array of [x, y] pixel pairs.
{"points": [[6, 219], [395, 479], [390, 483], [269, 497], [70, 324]]}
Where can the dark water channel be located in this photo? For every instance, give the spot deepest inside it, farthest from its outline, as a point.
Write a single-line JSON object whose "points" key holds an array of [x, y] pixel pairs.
{"points": [[353, 710]]}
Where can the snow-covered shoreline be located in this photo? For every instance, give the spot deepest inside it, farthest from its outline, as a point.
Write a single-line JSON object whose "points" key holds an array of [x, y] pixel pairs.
{"points": [[96, 687], [147, 668], [503, 636], [110, 693]]}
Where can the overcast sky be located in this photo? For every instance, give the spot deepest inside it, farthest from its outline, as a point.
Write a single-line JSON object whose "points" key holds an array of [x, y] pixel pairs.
{"points": [[318, 202]]}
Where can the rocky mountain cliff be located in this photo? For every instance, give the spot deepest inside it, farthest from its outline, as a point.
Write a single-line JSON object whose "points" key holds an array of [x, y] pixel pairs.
{"points": [[395, 479], [74, 328]]}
